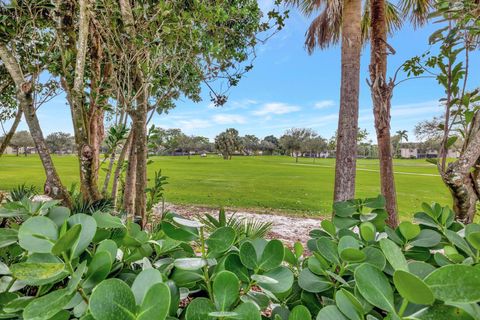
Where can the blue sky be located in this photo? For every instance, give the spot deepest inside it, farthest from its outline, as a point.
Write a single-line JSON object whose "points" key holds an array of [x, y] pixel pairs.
{"points": [[289, 88]]}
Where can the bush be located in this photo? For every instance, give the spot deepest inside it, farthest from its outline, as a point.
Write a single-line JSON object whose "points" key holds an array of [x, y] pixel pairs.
{"points": [[62, 266]]}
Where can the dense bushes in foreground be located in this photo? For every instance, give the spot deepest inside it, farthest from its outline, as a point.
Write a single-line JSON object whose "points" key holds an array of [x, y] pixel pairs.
{"points": [[61, 266]]}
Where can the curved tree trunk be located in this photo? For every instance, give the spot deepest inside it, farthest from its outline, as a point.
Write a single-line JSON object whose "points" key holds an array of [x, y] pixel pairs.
{"points": [[53, 186], [381, 91], [11, 132], [345, 166]]}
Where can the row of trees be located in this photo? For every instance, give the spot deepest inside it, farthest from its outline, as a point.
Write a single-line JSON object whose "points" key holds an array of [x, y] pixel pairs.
{"points": [[123, 60], [57, 142]]}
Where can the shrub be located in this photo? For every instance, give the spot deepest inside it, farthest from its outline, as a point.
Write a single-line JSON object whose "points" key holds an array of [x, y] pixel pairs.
{"points": [[62, 266]]}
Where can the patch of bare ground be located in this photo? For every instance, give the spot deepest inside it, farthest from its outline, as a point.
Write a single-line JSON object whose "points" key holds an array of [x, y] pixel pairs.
{"points": [[289, 229]]}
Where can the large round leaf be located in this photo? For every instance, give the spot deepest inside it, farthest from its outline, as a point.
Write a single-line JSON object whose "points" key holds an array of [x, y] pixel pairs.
{"points": [[67, 241], [330, 313], [112, 299], [247, 311], [300, 313], [220, 240], [38, 234], [412, 288], [310, 282], [199, 309], [455, 283], [156, 303], [283, 280], [427, 238], [272, 255], [226, 287], [248, 255], [409, 230], [89, 227], [367, 231], [8, 237], [374, 287], [98, 269], [143, 282]]}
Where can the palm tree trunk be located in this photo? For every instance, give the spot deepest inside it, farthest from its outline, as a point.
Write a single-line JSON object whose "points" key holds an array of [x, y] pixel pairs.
{"points": [[345, 166], [11, 132], [381, 91]]}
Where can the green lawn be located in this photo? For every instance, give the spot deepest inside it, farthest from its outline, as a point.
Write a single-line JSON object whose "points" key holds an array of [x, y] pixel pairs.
{"points": [[255, 182]]}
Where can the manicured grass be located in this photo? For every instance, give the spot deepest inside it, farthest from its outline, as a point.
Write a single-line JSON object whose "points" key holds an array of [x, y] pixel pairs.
{"points": [[260, 182]]}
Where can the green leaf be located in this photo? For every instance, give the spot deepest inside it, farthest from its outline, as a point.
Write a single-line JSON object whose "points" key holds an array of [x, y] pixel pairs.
{"points": [[352, 255], [58, 214], [248, 255], [8, 237], [47, 306], [89, 227], [199, 309], [367, 231], [67, 241], [32, 273], [427, 238], [441, 312], [282, 275], [329, 227], [247, 311], [394, 255], [180, 234], [310, 282], [220, 240], [108, 246], [272, 255], [409, 230], [374, 287], [98, 269], [190, 264], [37, 234], [330, 313], [455, 283], [156, 303], [474, 239], [112, 299], [226, 288], [300, 313], [412, 288], [107, 221], [143, 282], [328, 249], [344, 209], [349, 305]]}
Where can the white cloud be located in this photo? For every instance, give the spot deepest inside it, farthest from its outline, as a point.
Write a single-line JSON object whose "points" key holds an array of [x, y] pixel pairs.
{"points": [[228, 119], [276, 108], [324, 104]]}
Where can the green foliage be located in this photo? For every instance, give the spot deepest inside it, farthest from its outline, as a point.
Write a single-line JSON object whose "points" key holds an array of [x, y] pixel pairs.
{"points": [[101, 267], [22, 191]]}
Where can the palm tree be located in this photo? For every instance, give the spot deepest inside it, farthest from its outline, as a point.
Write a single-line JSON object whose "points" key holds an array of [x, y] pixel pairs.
{"points": [[343, 20], [382, 89], [401, 135]]}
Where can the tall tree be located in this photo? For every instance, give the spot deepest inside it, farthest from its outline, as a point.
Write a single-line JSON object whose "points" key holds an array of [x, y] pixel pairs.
{"points": [[340, 19], [21, 42], [228, 142], [295, 139], [382, 90]]}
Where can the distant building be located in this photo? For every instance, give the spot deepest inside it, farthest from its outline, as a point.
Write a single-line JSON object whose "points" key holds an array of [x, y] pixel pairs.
{"points": [[412, 152]]}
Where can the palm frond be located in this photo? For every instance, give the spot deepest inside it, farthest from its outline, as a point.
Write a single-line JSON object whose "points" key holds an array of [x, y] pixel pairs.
{"points": [[325, 29], [306, 7], [416, 10], [394, 18]]}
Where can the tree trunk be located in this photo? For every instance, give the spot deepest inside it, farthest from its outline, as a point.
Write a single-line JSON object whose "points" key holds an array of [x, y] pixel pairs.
{"points": [[140, 143], [345, 166], [11, 132], [119, 168], [130, 177], [109, 173], [53, 186], [381, 92]]}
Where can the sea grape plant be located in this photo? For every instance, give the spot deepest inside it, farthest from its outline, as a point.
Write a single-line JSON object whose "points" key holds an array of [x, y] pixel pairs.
{"points": [[58, 265]]}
